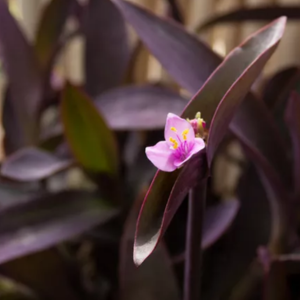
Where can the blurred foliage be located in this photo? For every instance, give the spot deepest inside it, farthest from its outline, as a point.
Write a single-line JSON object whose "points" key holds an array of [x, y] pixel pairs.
{"points": [[60, 241]]}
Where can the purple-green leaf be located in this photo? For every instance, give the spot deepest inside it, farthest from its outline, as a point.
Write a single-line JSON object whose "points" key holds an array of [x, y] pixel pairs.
{"points": [[31, 164], [25, 84], [139, 107], [262, 13], [292, 119], [233, 78], [91, 141], [49, 220], [107, 52], [47, 266], [188, 60]]}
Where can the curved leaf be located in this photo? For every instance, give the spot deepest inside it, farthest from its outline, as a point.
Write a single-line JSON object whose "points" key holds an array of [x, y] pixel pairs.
{"points": [[154, 280], [233, 79], [188, 60], [91, 141], [224, 90], [292, 119], [24, 79], [49, 220], [107, 51], [217, 220], [50, 29], [256, 130], [229, 259], [139, 107], [262, 13], [279, 85], [31, 164]]}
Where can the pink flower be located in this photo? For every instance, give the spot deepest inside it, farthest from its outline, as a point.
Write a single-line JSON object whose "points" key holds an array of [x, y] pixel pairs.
{"points": [[179, 146]]}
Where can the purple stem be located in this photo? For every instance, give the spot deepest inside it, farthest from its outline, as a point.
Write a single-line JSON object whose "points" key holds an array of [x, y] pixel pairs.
{"points": [[192, 272]]}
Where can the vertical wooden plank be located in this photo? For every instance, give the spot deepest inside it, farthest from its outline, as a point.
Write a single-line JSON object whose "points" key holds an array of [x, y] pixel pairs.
{"points": [[226, 36]]}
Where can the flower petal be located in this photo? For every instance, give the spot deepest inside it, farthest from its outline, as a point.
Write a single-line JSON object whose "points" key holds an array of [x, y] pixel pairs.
{"points": [[199, 144], [175, 127], [161, 156]]}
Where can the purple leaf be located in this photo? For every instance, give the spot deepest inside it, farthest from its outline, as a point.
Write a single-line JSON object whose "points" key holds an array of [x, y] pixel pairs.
{"points": [[31, 164], [49, 220], [24, 79], [107, 51], [217, 220], [233, 78], [139, 107], [292, 119], [154, 280], [187, 59], [240, 69], [263, 13], [165, 195], [235, 251], [279, 85], [257, 132]]}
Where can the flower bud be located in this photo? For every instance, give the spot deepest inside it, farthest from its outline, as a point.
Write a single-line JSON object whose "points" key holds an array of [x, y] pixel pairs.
{"points": [[198, 125]]}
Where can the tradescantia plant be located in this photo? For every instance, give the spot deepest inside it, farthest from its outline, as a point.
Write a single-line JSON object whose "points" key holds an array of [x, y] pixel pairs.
{"points": [[61, 242]]}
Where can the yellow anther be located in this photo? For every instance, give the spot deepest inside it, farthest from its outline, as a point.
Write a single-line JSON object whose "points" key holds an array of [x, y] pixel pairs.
{"points": [[174, 129], [174, 142], [184, 134]]}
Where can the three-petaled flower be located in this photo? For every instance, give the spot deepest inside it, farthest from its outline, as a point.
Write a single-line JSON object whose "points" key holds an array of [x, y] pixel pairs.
{"points": [[179, 146]]}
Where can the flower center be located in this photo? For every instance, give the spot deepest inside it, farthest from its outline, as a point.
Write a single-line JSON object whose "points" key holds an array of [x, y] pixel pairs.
{"points": [[181, 146]]}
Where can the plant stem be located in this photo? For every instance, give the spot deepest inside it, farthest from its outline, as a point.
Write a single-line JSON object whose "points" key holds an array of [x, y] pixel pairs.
{"points": [[192, 272]]}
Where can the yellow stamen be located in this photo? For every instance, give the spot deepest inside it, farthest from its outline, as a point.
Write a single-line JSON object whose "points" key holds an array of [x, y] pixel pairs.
{"points": [[174, 142], [184, 134], [174, 129]]}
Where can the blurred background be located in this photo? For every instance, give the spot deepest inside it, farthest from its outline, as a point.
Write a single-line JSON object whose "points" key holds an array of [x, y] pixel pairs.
{"points": [[221, 38]]}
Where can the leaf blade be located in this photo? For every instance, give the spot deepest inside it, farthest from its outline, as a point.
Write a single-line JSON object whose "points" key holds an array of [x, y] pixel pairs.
{"points": [[91, 141], [33, 226], [30, 164], [148, 235], [105, 64]]}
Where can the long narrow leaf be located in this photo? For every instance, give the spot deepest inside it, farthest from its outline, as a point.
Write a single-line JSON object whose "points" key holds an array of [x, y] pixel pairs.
{"points": [[24, 79], [31, 164], [49, 220], [223, 91], [107, 52], [188, 60]]}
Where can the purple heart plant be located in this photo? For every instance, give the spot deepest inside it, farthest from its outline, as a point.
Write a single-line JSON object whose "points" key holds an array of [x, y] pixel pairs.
{"points": [[76, 197]]}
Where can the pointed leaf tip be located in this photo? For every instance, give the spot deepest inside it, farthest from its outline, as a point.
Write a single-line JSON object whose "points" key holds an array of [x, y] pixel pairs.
{"points": [[218, 106]]}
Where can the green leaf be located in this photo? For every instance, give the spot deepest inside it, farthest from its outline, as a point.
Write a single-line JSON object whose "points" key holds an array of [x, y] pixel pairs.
{"points": [[50, 28], [91, 141]]}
